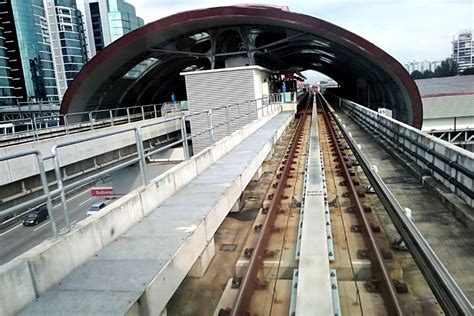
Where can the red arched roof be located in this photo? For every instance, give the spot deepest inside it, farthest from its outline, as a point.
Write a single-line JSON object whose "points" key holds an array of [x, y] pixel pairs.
{"points": [[279, 39]]}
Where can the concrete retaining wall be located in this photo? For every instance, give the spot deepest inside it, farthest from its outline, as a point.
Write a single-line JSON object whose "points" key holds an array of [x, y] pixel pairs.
{"points": [[52, 260]]}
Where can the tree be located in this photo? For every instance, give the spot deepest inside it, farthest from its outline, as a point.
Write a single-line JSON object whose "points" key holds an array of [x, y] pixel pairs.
{"points": [[427, 74], [417, 75], [468, 71], [448, 68]]}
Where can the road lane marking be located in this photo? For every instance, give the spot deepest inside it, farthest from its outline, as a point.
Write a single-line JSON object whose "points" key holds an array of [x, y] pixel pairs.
{"points": [[85, 201], [5, 232], [75, 196], [73, 222], [39, 227], [72, 198]]}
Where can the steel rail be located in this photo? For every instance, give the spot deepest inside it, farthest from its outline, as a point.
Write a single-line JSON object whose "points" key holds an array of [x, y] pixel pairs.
{"points": [[247, 286], [387, 288], [450, 297]]}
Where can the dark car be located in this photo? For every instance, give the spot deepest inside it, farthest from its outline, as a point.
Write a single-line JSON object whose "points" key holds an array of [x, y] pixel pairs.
{"points": [[36, 216]]}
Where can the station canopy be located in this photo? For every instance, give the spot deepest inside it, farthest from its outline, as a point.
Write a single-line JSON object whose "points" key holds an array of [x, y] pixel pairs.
{"points": [[144, 66]]}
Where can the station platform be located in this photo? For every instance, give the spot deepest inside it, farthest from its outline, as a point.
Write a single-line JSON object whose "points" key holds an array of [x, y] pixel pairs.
{"points": [[140, 270]]}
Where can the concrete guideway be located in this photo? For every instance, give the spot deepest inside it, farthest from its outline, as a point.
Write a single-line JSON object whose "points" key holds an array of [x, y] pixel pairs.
{"points": [[226, 179], [314, 266]]}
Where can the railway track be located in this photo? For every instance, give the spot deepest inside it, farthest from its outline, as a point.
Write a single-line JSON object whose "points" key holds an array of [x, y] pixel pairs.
{"points": [[381, 273], [252, 279], [262, 284], [448, 294]]}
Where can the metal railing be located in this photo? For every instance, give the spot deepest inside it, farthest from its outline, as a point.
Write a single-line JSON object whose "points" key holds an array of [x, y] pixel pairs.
{"points": [[65, 124], [451, 165], [461, 137], [269, 105]]}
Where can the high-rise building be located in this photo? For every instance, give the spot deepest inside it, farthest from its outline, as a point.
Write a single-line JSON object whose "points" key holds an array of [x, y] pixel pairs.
{"points": [[67, 39], [463, 50], [7, 96], [422, 66], [107, 20], [28, 49]]}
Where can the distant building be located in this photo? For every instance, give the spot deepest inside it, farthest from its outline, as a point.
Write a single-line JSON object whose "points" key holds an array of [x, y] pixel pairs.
{"points": [[28, 50], [422, 66], [447, 108], [105, 21], [435, 64], [463, 50], [67, 39]]}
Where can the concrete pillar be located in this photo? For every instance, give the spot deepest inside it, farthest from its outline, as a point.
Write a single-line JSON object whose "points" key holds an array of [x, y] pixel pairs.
{"points": [[236, 207], [135, 311], [203, 261], [271, 153], [290, 106], [258, 174]]}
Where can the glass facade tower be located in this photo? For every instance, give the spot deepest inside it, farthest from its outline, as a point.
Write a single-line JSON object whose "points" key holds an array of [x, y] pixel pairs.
{"points": [[29, 52], [6, 85], [107, 20], [71, 33], [122, 18], [67, 39]]}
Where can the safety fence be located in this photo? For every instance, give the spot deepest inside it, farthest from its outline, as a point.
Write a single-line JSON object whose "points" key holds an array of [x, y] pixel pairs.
{"points": [[451, 165], [268, 105]]}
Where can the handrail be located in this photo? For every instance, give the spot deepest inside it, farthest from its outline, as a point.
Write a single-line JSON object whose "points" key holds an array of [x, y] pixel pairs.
{"points": [[90, 123], [427, 154], [140, 157], [93, 119]]}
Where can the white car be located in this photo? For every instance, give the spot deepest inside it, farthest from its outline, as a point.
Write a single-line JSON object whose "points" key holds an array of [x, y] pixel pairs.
{"points": [[95, 208]]}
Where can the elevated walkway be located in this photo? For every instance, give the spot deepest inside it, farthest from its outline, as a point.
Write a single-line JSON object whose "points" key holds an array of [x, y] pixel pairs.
{"points": [[20, 177], [118, 137], [139, 271]]}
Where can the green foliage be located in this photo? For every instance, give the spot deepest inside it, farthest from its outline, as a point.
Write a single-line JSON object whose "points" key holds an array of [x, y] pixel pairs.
{"points": [[428, 74], [467, 71], [417, 75], [447, 68]]}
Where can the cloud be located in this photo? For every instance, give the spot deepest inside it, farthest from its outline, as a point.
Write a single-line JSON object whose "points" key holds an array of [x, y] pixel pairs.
{"points": [[406, 29]]}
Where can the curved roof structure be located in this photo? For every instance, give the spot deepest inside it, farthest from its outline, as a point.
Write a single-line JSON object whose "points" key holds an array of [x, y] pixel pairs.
{"points": [[143, 66]]}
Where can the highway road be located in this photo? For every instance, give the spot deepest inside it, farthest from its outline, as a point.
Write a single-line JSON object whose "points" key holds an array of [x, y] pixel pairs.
{"points": [[17, 239]]}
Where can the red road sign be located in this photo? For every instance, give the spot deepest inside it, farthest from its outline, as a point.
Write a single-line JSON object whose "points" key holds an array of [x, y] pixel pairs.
{"points": [[102, 191]]}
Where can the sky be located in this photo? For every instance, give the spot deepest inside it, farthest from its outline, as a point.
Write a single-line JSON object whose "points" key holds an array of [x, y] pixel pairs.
{"points": [[406, 29]]}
